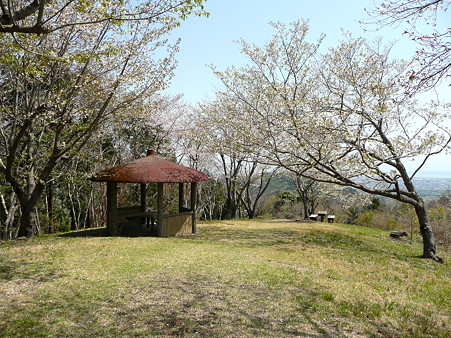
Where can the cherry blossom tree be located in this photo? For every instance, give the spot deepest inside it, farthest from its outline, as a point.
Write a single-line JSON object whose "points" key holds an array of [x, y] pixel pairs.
{"points": [[432, 62], [339, 118], [245, 179]]}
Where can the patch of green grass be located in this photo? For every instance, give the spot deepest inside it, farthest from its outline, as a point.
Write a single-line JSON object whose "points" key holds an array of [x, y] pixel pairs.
{"points": [[235, 278]]}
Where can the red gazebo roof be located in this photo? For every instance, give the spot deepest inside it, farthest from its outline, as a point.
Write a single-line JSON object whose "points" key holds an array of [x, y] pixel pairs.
{"points": [[150, 169]]}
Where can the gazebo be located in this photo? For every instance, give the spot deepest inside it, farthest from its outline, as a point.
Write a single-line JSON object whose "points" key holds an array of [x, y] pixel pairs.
{"points": [[151, 169]]}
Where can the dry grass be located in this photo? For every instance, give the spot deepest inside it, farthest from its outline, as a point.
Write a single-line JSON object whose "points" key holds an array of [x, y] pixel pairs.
{"points": [[236, 278]]}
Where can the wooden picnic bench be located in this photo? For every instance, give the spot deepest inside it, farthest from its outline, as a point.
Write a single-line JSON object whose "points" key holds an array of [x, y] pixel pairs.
{"points": [[178, 224], [134, 217], [322, 215], [124, 217], [313, 217]]}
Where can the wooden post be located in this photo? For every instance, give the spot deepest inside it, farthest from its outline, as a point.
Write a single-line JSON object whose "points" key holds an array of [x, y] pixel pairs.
{"points": [[143, 197], [160, 230], [111, 208], [193, 205], [181, 197], [144, 204]]}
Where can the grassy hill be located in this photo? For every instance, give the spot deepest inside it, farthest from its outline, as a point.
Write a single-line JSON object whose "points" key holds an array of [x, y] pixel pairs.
{"points": [[236, 278]]}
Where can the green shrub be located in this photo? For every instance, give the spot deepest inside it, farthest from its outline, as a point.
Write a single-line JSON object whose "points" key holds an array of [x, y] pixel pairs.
{"points": [[365, 218]]}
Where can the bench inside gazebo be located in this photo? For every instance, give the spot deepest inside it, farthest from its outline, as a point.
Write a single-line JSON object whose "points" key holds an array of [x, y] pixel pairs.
{"points": [[151, 170]]}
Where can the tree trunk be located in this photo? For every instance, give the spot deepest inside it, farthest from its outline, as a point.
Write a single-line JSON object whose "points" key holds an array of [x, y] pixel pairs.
{"points": [[89, 220], [49, 196], [429, 247], [28, 203], [27, 224], [305, 203], [230, 209], [10, 216]]}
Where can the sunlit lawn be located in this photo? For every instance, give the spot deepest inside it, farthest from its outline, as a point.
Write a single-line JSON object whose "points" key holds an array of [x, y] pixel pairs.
{"points": [[236, 278]]}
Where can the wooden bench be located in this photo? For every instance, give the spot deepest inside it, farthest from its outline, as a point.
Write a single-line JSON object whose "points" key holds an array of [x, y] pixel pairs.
{"points": [[313, 217], [143, 214], [134, 217], [330, 218]]}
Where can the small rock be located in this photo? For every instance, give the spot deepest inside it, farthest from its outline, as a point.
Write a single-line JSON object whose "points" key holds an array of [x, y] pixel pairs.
{"points": [[399, 234]]}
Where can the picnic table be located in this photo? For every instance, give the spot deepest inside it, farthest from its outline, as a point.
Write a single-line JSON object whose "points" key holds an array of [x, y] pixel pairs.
{"points": [[143, 214], [133, 217], [322, 215]]}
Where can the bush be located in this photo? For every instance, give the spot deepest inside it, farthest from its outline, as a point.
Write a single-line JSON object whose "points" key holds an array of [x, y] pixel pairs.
{"points": [[440, 218], [365, 218]]}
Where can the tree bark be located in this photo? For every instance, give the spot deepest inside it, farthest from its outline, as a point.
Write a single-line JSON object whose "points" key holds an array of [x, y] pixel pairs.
{"points": [[305, 204], [230, 209], [429, 246], [49, 196], [27, 224], [28, 201], [10, 212]]}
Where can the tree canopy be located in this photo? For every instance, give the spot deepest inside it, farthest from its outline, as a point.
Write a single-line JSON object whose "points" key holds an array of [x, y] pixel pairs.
{"points": [[433, 57], [43, 16], [341, 117], [75, 80]]}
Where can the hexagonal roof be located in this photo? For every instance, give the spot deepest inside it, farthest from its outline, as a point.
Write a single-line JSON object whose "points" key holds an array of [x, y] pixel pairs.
{"points": [[150, 169]]}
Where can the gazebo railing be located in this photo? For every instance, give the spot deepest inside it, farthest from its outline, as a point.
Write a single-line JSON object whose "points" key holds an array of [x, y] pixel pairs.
{"points": [[180, 224]]}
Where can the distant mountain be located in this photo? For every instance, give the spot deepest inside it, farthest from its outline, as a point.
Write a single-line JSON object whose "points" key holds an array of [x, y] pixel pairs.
{"points": [[427, 187]]}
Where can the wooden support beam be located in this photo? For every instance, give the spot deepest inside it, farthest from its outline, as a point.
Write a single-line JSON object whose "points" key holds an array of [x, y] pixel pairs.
{"points": [[193, 205], [111, 208], [160, 228], [143, 205], [143, 197], [181, 197]]}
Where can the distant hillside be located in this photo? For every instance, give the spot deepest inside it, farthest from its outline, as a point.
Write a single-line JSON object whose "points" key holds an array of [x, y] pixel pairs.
{"points": [[432, 188], [428, 188], [281, 184]]}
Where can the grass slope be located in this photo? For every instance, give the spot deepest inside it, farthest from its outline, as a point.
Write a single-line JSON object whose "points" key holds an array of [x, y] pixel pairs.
{"points": [[236, 278]]}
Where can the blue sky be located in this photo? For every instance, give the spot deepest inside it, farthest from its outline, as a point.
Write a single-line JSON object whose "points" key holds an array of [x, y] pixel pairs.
{"points": [[211, 40]]}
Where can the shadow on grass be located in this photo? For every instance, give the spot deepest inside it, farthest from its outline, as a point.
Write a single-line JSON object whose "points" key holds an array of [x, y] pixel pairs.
{"points": [[7, 270], [14, 270], [287, 238], [282, 236], [199, 304], [93, 232], [102, 232], [279, 236], [176, 305]]}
